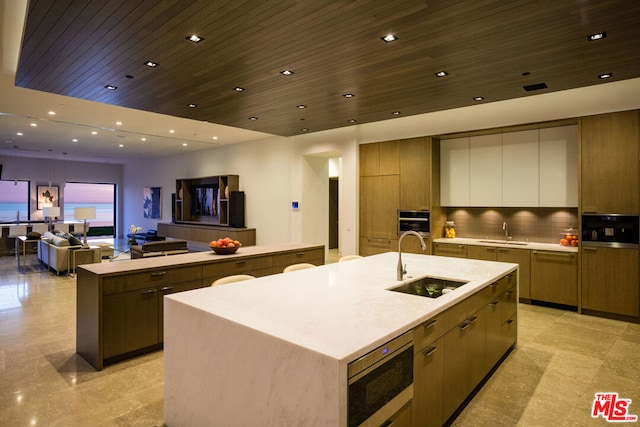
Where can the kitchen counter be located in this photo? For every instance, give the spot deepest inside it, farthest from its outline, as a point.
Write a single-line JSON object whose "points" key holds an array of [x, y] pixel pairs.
{"points": [[513, 245], [276, 349]]}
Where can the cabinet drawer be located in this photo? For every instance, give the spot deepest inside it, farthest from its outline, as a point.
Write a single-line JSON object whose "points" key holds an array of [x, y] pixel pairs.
{"points": [[509, 304], [464, 309], [450, 250], [150, 278], [496, 289], [313, 256], [235, 266], [427, 332]]}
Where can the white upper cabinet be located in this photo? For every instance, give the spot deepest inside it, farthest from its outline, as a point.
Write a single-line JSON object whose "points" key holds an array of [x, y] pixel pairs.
{"points": [[485, 170], [454, 172], [520, 171], [559, 166], [531, 168]]}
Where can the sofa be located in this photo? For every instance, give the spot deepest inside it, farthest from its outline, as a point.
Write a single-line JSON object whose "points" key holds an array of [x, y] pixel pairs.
{"points": [[159, 248], [53, 251]]}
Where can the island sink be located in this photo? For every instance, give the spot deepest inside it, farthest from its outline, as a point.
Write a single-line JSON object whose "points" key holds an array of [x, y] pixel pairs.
{"points": [[430, 287]]}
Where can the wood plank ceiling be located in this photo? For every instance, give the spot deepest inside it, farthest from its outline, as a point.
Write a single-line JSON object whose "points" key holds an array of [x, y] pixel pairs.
{"points": [[489, 48]]}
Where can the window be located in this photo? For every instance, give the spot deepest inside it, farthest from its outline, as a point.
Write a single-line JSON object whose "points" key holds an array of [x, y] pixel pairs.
{"points": [[100, 196], [14, 201]]}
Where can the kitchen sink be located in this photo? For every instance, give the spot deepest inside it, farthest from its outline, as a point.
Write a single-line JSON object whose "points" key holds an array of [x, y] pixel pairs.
{"points": [[430, 287]]}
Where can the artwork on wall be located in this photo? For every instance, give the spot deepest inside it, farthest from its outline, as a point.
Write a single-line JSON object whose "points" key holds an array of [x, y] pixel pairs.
{"points": [[152, 202], [47, 196]]}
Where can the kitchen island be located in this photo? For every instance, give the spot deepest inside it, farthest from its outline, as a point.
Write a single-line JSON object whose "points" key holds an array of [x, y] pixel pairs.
{"points": [[275, 350]]}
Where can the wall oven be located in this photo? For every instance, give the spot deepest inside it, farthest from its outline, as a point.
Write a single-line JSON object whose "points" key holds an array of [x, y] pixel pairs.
{"points": [[381, 382], [414, 220], [612, 230]]}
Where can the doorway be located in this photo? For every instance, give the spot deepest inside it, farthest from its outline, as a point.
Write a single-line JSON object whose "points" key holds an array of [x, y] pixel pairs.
{"points": [[333, 212]]}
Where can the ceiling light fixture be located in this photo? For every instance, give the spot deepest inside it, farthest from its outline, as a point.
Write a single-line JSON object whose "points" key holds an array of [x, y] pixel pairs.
{"points": [[253, 118], [120, 145], [389, 38], [74, 140], [286, 72], [348, 95], [143, 139], [597, 36], [52, 113], [215, 137], [441, 74], [118, 123], [396, 113], [151, 64], [111, 87], [304, 130], [478, 98], [93, 132], [301, 106], [192, 105], [194, 38], [238, 89], [352, 120], [605, 76], [33, 125], [19, 133], [184, 144], [172, 131]]}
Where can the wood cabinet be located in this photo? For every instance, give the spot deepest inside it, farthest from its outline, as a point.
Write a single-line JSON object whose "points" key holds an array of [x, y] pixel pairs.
{"points": [[517, 256], [120, 310], [485, 170], [207, 233], [609, 163], [415, 173], [380, 158], [206, 200], [450, 249], [428, 371], [610, 280], [521, 168], [554, 277]]}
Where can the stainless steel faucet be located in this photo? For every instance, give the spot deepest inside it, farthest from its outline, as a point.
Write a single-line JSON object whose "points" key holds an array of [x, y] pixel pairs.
{"points": [[505, 228], [401, 269]]}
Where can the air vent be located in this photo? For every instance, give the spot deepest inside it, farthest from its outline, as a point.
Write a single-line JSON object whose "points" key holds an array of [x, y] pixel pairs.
{"points": [[536, 86]]}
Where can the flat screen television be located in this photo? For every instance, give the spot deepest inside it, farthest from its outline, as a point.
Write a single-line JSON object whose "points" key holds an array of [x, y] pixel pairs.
{"points": [[205, 200]]}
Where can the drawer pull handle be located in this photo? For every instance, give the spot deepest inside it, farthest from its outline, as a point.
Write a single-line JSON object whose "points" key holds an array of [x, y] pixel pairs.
{"points": [[299, 253], [240, 262], [588, 248], [570, 255], [508, 294], [464, 325], [428, 352], [166, 288], [494, 285], [508, 322], [158, 273], [431, 324], [149, 291], [494, 303], [473, 319]]}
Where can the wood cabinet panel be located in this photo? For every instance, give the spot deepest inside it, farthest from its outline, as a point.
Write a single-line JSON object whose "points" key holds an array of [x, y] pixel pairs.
{"points": [[428, 370], [203, 233], [554, 277], [379, 158], [450, 250], [415, 170], [376, 245], [150, 278], [522, 257], [454, 172], [609, 163], [213, 271], [521, 168], [610, 280], [379, 200], [559, 166]]}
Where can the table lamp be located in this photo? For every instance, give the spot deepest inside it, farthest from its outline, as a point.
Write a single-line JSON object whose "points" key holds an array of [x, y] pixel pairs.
{"points": [[84, 214], [51, 212]]}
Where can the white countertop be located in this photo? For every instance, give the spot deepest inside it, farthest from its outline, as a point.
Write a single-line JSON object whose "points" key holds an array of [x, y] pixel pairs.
{"points": [[498, 243], [342, 310]]}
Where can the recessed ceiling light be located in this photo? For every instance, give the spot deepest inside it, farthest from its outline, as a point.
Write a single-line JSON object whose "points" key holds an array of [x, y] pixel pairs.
{"points": [[304, 130], [120, 145], [33, 125], [192, 105], [151, 64], [74, 140], [194, 38], [129, 76], [143, 139], [93, 132], [348, 95], [118, 123], [111, 87], [441, 74], [184, 144], [605, 75], [597, 36], [478, 98], [301, 106], [352, 120], [253, 118], [19, 133], [389, 38], [172, 131], [286, 72], [215, 137], [238, 89], [52, 113], [396, 113]]}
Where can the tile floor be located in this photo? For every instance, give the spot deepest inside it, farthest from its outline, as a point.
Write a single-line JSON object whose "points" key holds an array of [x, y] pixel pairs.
{"points": [[561, 361]]}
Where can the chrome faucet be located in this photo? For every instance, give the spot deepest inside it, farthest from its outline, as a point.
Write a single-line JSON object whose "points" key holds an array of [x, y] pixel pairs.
{"points": [[401, 268], [505, 228]]}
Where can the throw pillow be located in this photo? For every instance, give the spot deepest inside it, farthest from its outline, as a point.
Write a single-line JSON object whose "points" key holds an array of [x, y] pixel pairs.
{"points": [[32, 235], [74, 241]]}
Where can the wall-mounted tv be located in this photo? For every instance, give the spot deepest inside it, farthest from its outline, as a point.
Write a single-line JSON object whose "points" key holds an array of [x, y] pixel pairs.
{"points": [[205, 200]]}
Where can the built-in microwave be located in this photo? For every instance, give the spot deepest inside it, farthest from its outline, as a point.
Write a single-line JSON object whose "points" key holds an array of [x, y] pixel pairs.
{"points": [[413, 220], [613, 230]]}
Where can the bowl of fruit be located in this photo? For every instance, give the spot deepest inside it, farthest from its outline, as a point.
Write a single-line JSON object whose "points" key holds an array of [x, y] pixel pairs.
{"points": [[225, 246], [569, 237]]}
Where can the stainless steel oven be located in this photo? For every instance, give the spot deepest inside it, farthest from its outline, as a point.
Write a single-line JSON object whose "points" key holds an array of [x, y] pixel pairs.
{"points": [[381, 382], [413, 220], [613, 230]]}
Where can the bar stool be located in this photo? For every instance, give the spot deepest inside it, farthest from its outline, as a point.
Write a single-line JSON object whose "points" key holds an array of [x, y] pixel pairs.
{"points": [[349, 257], [232, 279], [294, 267]]}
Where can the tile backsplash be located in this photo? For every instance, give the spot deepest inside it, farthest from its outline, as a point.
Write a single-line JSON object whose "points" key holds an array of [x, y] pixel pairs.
{"points": [[543, 225]]}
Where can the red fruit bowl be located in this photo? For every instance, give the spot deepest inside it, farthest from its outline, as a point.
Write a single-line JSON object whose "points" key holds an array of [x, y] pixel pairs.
{"points": [[224, 250]]}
